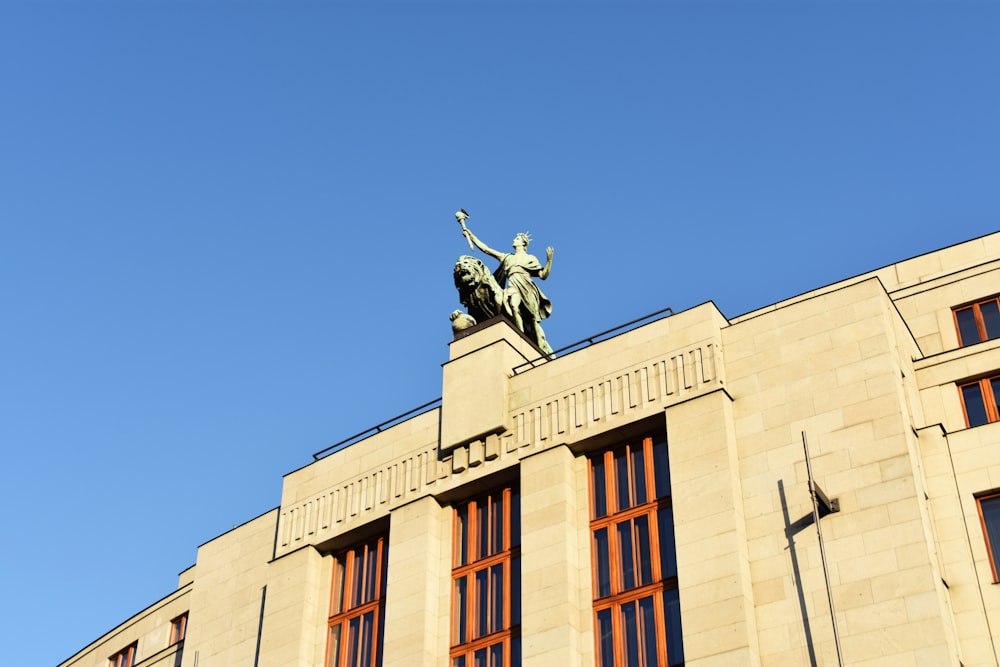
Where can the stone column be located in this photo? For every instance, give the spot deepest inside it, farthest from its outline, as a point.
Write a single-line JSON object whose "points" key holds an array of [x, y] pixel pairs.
{"points": [[555, 561], [417, 585]]}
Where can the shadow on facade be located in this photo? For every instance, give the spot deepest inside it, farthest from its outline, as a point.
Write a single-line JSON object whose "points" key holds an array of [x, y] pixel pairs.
{"points": [[790, 530]]}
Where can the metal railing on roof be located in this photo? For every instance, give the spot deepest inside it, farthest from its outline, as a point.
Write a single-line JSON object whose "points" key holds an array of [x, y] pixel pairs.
{"points": [[378, 428], [573, 347], [596, 338]]}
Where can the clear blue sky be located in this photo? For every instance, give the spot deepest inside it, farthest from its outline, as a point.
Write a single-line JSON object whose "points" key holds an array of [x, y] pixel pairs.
{"points": [[226, 231]]}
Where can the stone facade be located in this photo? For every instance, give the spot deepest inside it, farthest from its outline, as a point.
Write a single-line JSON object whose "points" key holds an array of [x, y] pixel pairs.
{"points": [[867, 370]]}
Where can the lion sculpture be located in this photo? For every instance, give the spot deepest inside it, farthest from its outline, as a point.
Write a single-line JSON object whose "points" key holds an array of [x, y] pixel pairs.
{"points": [[477, 289]]}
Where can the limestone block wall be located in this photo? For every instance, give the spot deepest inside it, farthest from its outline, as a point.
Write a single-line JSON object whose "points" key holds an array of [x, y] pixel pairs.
{"points": [[619, 381], [835, 366], [927, 307], [593, 391], [956, 467], [975, 455], [867, 368], [150, 628], [226, 599], [961, 261], [937, 377]]}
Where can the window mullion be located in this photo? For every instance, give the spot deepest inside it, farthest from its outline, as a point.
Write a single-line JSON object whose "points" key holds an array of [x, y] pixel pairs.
{"points": [[989, 399], [610, 484], [352, 564], [617, 634], [614, 561], [654, 541], [661, 628]]}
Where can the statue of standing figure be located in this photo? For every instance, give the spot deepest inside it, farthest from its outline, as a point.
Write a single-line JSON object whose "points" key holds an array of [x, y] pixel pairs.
{"points": [[522, 301]]}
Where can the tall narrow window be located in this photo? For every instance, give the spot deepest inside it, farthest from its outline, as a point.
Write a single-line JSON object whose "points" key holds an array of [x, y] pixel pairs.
{"points": [[637, 619], [178, 628], [357, 606], [981, 401], [989, 515], [978, 322], [486, 582], [124, 657]]}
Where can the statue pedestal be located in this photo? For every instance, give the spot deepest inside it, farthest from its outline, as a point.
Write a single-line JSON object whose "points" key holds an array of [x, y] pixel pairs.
{"points": [[474, 393]]}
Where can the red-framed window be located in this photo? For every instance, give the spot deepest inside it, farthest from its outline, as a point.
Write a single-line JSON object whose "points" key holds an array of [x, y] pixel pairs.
{"points": [[989, 517], [124, 657], [637, 619], [178, 628], [978, 321], [486, 581], [357, 606], [979, 401]]}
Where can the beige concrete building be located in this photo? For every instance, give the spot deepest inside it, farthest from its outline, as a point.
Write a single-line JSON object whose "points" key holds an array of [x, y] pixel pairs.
{"points": [[644, 500]]}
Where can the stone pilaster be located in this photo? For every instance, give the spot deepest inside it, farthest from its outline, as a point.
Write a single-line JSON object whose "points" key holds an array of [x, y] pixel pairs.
{"points": [[555, 565], [713, 571], [417, 585]]}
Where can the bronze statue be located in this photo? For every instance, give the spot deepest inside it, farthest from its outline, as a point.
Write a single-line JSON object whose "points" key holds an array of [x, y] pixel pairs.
{"points": [[521, 299]]}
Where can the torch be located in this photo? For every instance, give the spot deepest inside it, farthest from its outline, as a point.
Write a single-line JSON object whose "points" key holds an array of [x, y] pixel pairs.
{"points": [[461, 217]]}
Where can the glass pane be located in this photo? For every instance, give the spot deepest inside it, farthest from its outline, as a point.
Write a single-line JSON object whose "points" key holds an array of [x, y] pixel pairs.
{"points": [[379, 630], [665, 527], [631, 631], [371, 573], [459, 630], [357, 577], [627, 574], [458, 662], [647, 632], [482, 529], [600, 508], [496, 598], [967, 329], [639, 474], [479, 658], [621, 480], [481, 609], [496, 543], [515, 592], [515, 652], [643, 552], [462, 535], [975, 409], [672, 617], [515, 518], [605, 638], [333, 647], [991, 318], [661, 468], [602, 559], [384, 568], [353, 632], [496, 655], [991, 519], [367, 625], [995, 388], [337, 598]]}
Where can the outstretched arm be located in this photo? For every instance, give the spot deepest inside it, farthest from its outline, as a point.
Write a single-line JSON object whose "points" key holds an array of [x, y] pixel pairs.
{"points": [[479, 244], [544, 273]]}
